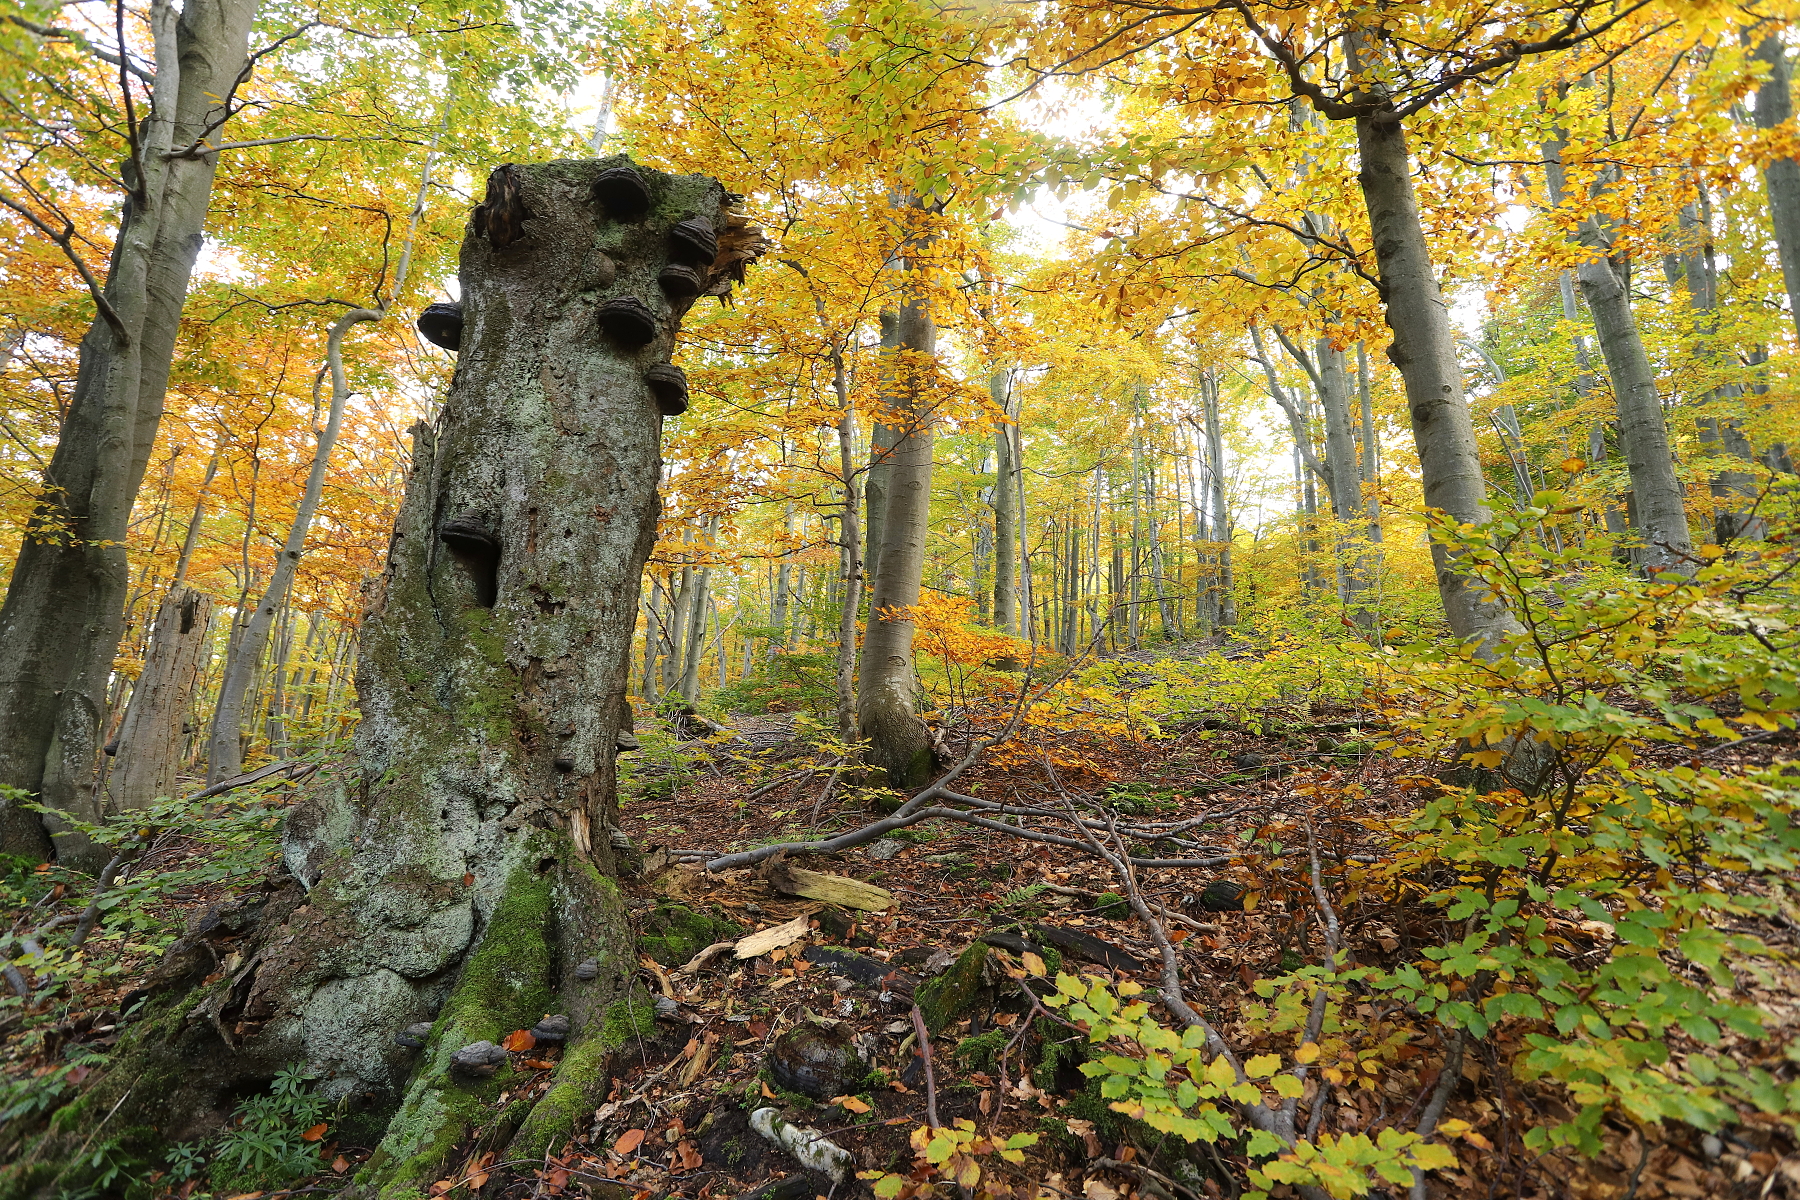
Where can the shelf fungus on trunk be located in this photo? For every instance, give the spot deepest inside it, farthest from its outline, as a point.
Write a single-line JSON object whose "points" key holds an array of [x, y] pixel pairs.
{"points": [[623, 193], [694, 242], [681, 283], [668, 383], [462, 880], [627, 320], [441, 325], [475, 547]]}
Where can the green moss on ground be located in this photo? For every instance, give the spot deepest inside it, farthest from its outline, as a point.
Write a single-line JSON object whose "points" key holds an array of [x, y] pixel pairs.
{"points": [[673, 933], [947, 997], [982, 1052]]}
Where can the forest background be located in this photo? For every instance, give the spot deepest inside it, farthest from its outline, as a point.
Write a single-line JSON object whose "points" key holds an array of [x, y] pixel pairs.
{"points": [[1077, 356]]}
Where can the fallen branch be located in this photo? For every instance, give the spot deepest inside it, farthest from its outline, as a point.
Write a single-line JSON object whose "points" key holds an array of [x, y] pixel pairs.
{"points": [[924, 1044]]}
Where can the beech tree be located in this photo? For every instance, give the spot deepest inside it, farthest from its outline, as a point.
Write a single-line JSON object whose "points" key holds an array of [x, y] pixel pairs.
{"points": [[65, 602]]}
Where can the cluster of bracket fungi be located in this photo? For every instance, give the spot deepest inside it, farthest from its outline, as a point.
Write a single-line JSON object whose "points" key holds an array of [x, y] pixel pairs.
{"points": [[624, 195]]}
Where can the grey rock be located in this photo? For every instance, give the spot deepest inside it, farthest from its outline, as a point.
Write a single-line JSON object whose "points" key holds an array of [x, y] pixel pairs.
{"points": [[478, 1058], [667, 1008], [1712, 1147], [886, 849], [552, 1030], [818, 1060], [1248, 761]]}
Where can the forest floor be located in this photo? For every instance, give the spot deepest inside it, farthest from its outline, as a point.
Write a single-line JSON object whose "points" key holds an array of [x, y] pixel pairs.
{"points": [[725, 1042]]}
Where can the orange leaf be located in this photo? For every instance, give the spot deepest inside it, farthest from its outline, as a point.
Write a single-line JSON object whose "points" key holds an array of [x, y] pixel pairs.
{"points": [[767, 1094], [517, 1040], [478, 1181], [688, 1157], [1180, 935], [468, 879], [851, 1104], [314, 1134], [340, 1164], [538, 1064], [628, 1141]]}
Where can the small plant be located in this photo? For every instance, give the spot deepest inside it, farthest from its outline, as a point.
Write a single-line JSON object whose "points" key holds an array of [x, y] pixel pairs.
{"points": [[274, 1139], [948, 1161]]}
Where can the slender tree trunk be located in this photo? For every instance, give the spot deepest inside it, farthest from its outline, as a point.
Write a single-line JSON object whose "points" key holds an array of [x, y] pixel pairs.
{"points": [[1733, 490], [780, 616], [850, 548], [1775, 106], [883, 439], [887, 692], [224, 754], [151, 737], [1221, 531], [1424, 350], [1656, 489], [1006, 505], [64, 608], [695, 637], [464, 875], [192, 537]]}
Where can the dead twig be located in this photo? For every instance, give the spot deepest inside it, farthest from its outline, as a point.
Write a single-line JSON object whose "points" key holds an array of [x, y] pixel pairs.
{"points": [[924, 1043]]}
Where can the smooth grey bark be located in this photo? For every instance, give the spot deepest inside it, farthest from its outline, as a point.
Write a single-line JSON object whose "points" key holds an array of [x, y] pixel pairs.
{"points": [[464, 871], [1781, 177], [1656, 489], [150, 742], [1734, 490], [887, 688], [850, 551], [1220, 534], [191, 538], [1371, 479], [698, 595], [224, 753], [1006, 507], [65, 603], [1424, 351], [883, 437], [784, 586]]}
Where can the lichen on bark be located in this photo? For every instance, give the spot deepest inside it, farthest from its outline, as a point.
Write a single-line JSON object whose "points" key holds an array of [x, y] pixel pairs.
{"points": [[468, 870]]}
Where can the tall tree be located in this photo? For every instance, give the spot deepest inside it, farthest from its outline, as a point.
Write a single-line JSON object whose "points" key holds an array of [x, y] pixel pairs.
{"points": [[65, 603]]}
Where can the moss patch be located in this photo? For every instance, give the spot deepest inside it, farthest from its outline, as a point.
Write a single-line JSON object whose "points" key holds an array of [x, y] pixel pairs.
{"points": [[951, 994], [504, 986], [673, 933]]}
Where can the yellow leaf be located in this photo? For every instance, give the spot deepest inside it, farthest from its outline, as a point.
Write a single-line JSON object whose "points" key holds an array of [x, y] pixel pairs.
{"points": [[1308, 1052], [851, 1104], [1033, 963], [1263, 1066]]}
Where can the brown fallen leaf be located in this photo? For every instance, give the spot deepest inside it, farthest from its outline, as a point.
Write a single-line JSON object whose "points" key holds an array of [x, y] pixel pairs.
{"points": [[539, 1064], [628, 1141], [340, 1164], [315, 1133], [517, 1040]]}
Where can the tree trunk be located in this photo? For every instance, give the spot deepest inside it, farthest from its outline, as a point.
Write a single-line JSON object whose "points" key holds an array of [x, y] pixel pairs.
{"points": [[465, 874], [64, 610], [1424, 350], [1006, 506], [882, 440], [850, 546], [1221, 531], [224, 756], [887, 692], [150, 743], [1659, 496], [1774, 106]]}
